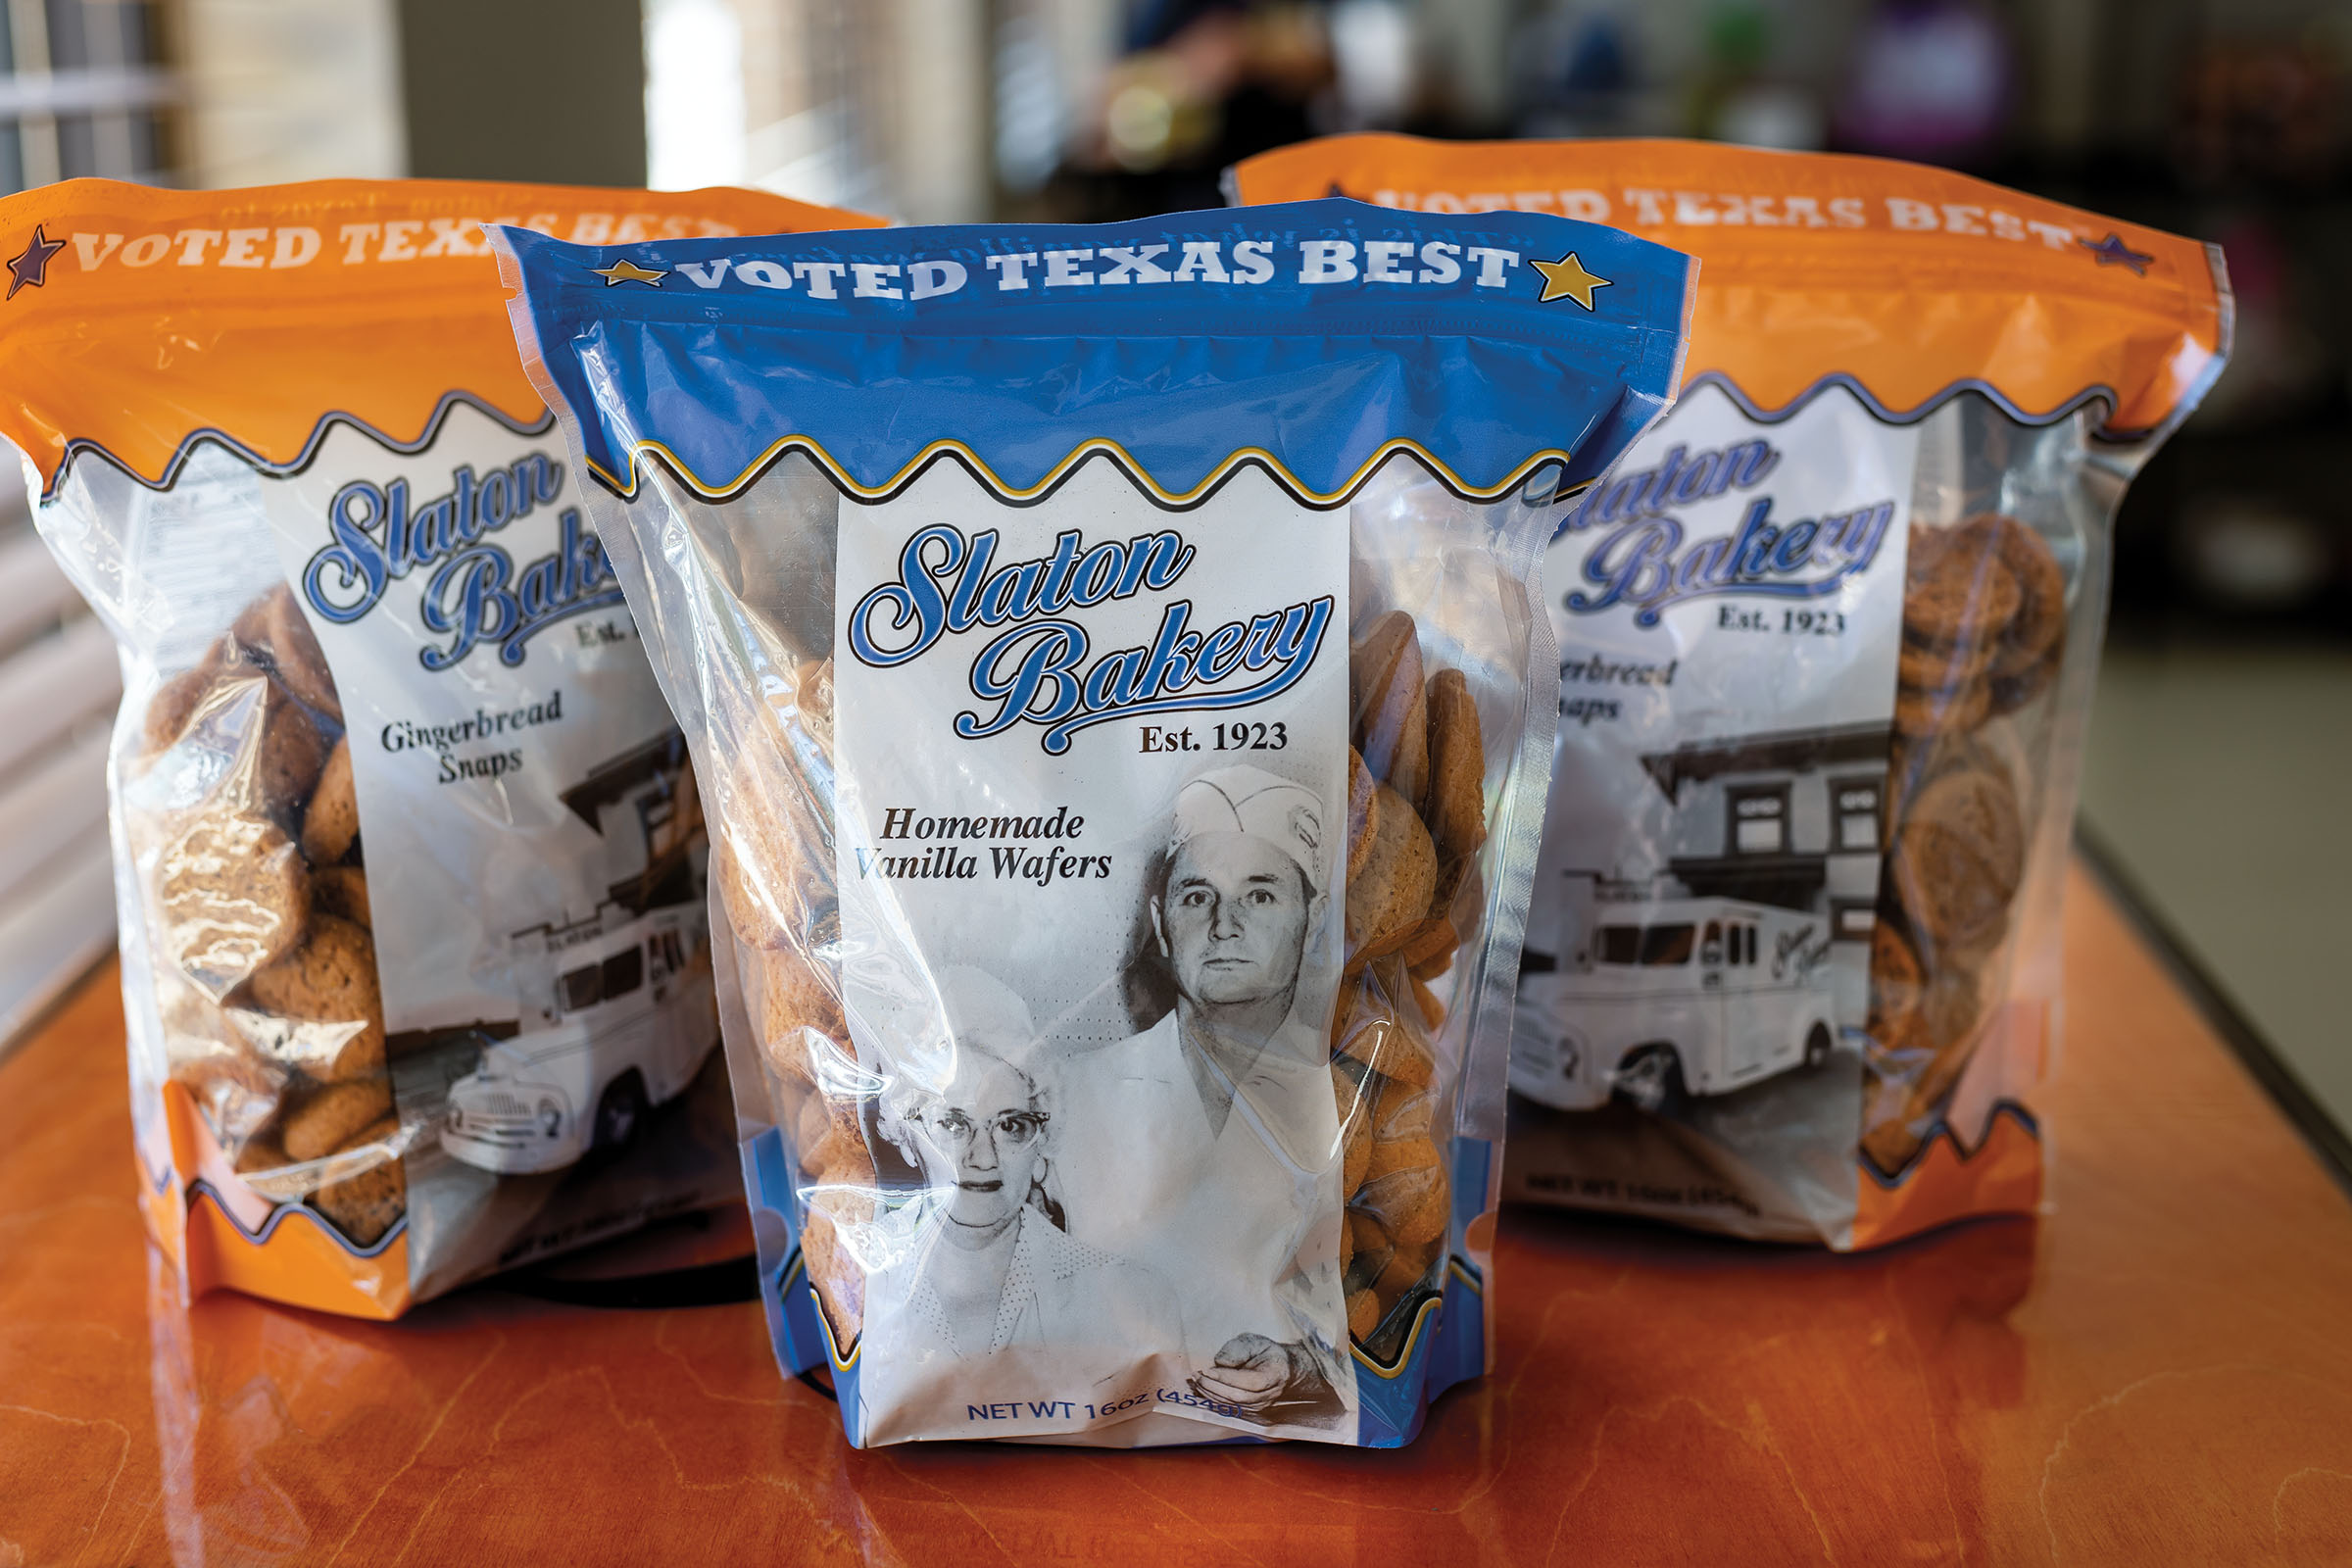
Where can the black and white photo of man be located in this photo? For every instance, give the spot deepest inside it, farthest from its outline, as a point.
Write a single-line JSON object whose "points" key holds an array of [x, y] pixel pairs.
{"points": [[1207, 1138]]}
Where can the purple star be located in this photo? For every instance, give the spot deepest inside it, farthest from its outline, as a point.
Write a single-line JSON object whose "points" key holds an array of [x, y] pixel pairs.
{"points": [[2112, 252], [33, 266]]}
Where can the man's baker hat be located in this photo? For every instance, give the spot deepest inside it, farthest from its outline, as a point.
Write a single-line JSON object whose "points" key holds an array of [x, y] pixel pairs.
{"points": [[1253, 800]]}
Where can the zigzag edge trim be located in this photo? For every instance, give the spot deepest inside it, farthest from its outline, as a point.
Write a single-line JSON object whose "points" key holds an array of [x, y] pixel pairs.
{"points": [[82, 446], [200, 1187], [1943, 1131]]}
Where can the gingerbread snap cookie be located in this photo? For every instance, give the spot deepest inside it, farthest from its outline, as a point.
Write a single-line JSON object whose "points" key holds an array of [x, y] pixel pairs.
{"points": [[2037, 634], [1943, 666], [1956, 584], [235, 1090], [273, 630], [367, 1205], [289, 757], [234, 898], [1920, 714], [1959, 856], [175, 700], [342, 890], [333, 1117], [330, 980], [1897, 981], [331, 822]]}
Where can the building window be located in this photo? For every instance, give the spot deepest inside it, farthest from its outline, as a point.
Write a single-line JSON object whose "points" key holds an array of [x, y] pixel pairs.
{"points": [[1759, 815], [1857, 803], [1853, 919]]}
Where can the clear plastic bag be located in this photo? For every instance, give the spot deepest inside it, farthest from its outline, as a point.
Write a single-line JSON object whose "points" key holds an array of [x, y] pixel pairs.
{"points": [[1827, 644], [1123, 720], [409, 856]]}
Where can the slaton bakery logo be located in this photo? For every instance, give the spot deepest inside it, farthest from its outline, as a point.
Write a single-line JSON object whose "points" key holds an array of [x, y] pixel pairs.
{"points": [[1640, 556], [1041, 667], [475, 595]]}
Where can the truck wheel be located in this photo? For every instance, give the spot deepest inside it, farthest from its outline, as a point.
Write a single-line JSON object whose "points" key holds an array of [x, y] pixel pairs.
{"points": [[619, 1110], [1652, 1081], [1817, 1049]]}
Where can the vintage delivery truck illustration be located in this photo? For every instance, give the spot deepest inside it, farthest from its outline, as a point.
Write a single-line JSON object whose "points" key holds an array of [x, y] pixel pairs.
{"points": [[618, 1006], [1746, 955]]}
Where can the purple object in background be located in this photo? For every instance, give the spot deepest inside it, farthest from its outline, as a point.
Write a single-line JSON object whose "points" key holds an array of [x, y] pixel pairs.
{"points": [[1930, 80]]}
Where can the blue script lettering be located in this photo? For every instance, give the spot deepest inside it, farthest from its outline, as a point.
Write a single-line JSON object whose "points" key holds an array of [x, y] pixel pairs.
{"points": [[1041, 668], [379, 539], [1642, 563], [944, 585], [477, 595]]}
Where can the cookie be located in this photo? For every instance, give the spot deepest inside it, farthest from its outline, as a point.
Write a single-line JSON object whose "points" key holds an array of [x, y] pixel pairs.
{"points": [[1943, 666], [367, 1205], [1372, 1037], [342, 890], [1433, 939], [795, 997], [1405, 1111], [235, 1090], [839, 1282], [232, 897], [287, 758], [1363, 812], [767, 882], [1959, 856], [1406, 1190], [1920, 713], [1388, 899], [1352, 1100], [1456, 809], [1390, 707], [334, 1116], [2006, 694], [2037, 634], [1432, 1010], [1897, 981], [829, 1135], [261, 1153], [278, 636], [331, 821], [1363, 1314], [1956, 584], [178, 698], [1408, 1266], [331, 980], [1369, 1250]]}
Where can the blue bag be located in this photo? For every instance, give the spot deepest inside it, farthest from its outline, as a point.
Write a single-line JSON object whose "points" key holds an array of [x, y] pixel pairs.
{"points": [[1114, 666]]}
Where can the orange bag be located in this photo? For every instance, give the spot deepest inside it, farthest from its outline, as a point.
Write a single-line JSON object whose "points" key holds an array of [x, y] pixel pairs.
{"points": [[1827, 643], [409, 856]]}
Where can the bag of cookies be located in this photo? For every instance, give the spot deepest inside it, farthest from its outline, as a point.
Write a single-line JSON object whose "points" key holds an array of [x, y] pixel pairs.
{"points": [[408, 855], [1826, 644], [1112, 660]]}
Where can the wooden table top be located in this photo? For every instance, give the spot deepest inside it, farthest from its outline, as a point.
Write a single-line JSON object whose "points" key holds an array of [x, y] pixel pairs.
{"points": [[2158, 1371]]}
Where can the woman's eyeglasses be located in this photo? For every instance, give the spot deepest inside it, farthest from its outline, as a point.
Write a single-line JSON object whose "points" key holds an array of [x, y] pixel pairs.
{"points": [[1013, 1127]]}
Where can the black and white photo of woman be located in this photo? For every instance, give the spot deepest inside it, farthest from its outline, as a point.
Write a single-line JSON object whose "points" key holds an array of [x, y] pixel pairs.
{"points": [[983, 1269]]}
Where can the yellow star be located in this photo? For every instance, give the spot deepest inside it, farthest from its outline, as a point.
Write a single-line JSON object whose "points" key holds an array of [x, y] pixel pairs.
{"points": [[625, 270], [1567, 276]]}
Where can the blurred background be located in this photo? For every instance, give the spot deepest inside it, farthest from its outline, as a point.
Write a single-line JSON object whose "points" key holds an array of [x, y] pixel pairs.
{"points": [[2223, 738]]}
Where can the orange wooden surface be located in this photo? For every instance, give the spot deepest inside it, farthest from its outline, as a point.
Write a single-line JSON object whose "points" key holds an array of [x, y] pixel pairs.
{"points": [[2158, 1372]]}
